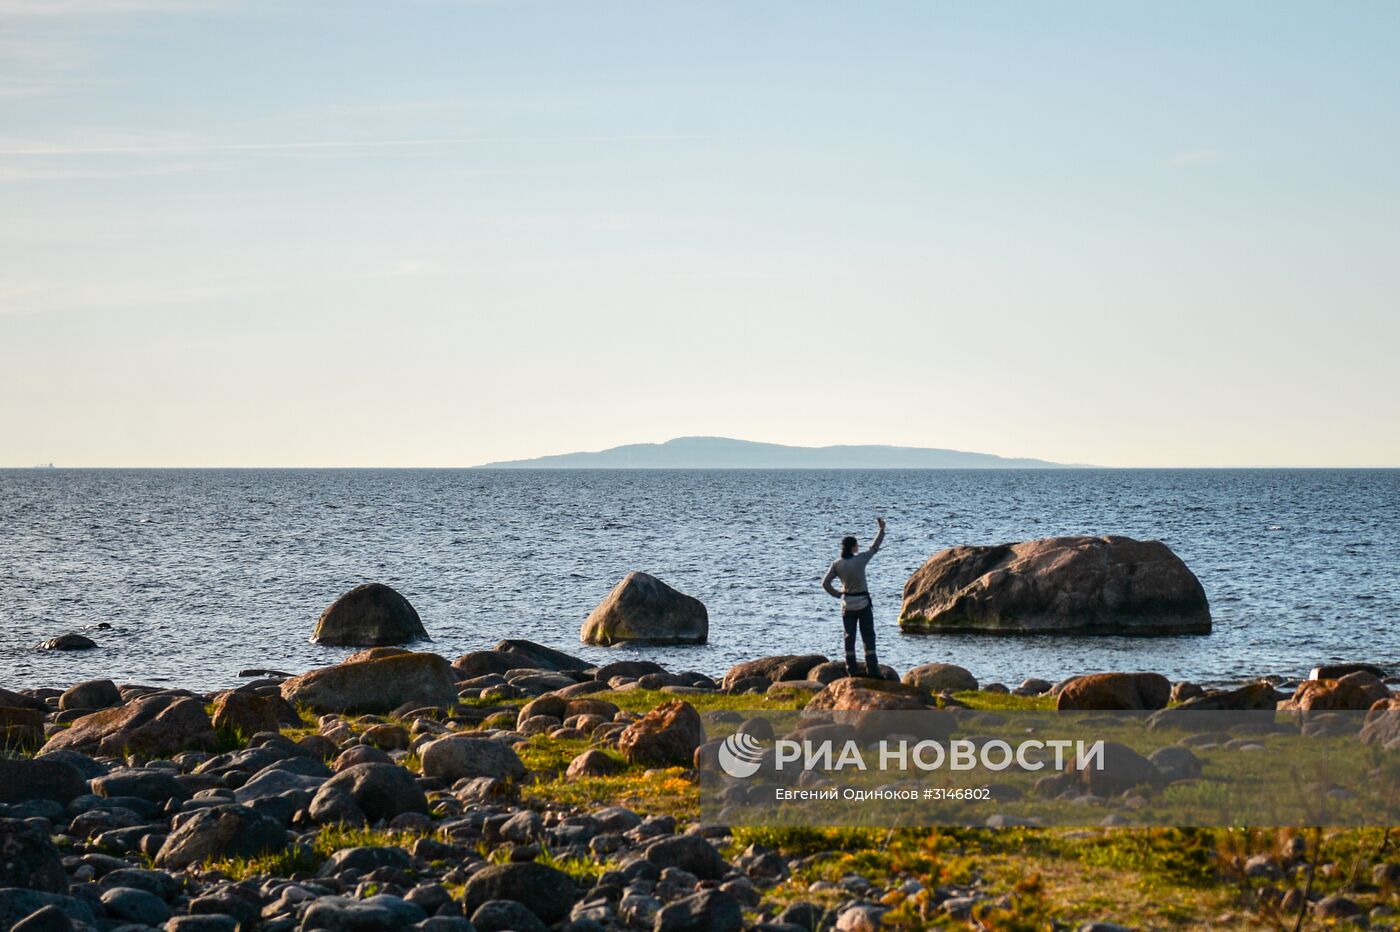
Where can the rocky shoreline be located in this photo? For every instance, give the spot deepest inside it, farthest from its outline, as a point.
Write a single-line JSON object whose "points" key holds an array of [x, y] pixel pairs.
{"points": [[399, 789]]}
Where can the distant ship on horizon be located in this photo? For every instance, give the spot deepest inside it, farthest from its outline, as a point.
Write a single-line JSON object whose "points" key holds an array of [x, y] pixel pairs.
{"points": [[46, 466]]}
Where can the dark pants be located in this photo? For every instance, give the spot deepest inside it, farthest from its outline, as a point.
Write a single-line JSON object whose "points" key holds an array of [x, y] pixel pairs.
{"points": [[864, 618]]}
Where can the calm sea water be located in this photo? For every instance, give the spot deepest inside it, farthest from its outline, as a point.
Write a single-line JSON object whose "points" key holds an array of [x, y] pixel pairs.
{"points": [[203, 572]]}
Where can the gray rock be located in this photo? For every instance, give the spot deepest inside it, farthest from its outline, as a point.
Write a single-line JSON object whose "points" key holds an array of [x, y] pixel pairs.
{"points": [[30, 859], [156, 786], [375, 684], [382, 791], [91, 695], [135, 905], [24, 779], [151, 726], [210, 923], [364, 859], [456, 756], [642, 609], [506, 916], [706, 911], [46, 919], [1176, 763], [17, 904], [936, 677], [68, 642], [375, 913], [1064, 585], [367, 616], [227, 831], [690, 853], [157, 883], [550, 894], [540, 657]]}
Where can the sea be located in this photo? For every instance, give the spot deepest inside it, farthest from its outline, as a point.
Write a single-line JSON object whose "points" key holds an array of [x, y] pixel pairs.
{"points": [[201, 574]]}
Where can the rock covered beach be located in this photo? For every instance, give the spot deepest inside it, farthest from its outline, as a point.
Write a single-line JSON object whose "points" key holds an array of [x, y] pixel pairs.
{"points": [[512, 788], [521, 788]]}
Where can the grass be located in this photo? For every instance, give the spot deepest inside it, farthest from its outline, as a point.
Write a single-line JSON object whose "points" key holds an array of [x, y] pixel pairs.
{"points": [[1034, 879], [296, 858]]}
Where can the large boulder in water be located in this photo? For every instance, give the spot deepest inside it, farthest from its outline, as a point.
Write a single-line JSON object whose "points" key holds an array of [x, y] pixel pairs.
{"points": [[644, 610], [380, 684], [1061, 585], [368, 616]]}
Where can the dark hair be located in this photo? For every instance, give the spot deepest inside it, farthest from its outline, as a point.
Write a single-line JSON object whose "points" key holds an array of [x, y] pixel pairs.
{"points": [[848, 546]]}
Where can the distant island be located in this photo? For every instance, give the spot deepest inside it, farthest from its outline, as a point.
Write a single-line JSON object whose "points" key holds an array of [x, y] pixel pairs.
{"points": [[727, 453]]}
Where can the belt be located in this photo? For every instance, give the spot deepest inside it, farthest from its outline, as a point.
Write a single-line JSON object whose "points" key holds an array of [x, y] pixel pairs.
{"points": [[845, 594]]}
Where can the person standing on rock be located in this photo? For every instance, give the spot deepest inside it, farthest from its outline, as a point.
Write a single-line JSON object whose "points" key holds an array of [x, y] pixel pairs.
{"points": [[856, 609]]}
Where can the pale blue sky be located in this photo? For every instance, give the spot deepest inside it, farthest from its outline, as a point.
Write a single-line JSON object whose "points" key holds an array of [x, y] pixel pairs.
{"points": [[441, 232]]}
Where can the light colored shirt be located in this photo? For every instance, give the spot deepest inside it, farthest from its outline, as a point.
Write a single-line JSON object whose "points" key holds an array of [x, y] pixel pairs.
{"points": [[851, 571]]}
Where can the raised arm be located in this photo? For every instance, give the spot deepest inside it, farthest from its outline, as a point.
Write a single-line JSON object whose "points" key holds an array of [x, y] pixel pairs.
{"points": [[879, 539], [826, 582]]}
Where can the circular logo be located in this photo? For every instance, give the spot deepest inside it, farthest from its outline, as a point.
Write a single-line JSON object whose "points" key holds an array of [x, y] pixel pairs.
{"points": [[739, 755]]}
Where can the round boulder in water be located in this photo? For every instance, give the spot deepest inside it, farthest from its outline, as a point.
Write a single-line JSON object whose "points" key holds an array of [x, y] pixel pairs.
{"points": [[367, 616], [644, 610]]}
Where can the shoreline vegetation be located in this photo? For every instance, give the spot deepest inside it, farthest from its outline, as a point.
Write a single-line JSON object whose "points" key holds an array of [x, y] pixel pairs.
{"points": [[522, 788]]}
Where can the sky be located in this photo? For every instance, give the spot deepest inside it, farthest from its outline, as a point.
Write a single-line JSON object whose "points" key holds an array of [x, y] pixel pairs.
{"points": [[445, 232]]}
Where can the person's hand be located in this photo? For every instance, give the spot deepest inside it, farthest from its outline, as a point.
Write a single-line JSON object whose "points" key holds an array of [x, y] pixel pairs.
{"points": [[881, 522]]}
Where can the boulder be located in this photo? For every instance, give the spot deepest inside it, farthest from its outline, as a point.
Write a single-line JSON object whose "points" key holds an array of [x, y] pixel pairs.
{"points": [[593, 763], [539, 657], [1353, 692], [381, 791], [13, 700], [379, 685], [644, 610], [937, 677], [631, 669], [1335, 671], [29, 859], [91, 695], [549, 893], [706, 911], [68, 642], [858, 694], [667, 736], [506, 916], [1114, 692], [21, 728], [229, 831], [484, 662], [24, 779], [1247, 699], [152, 726], [774, 669], [369, 615], [1062, 585], [245, 714], [1382, 725], [830, 672], [18, 905], [1123, 768], [458, 756], [689, 853]]}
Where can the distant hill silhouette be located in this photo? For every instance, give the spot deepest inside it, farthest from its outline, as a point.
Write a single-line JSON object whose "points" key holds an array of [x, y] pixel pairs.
{"points": [[727, 453]]}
